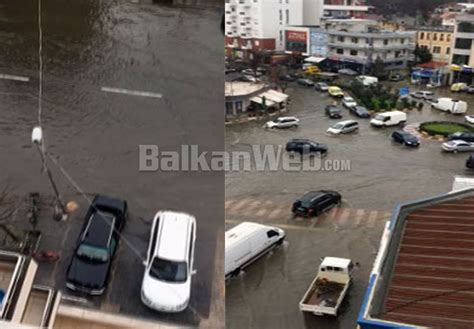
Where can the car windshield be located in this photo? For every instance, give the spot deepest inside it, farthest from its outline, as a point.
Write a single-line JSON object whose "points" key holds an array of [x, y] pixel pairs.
{"points": [[92, 253], [169, 271], [333, 109], [349, 99], [380, 117], [338, 126]]}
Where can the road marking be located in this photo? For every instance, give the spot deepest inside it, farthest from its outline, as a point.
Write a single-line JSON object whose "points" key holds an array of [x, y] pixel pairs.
{"points": [[131, 92], [14, 77], [359, 215], [341, 221], [283, 226], [239, 205], [372, 219]]}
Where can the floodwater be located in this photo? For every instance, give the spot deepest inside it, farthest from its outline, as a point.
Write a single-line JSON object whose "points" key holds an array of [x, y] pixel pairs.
{"points": [[174, 51], [381, 175]]}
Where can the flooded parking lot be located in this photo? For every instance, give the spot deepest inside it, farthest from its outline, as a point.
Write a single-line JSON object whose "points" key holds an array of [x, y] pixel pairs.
{"points": [[90, 47], [381, 175]]}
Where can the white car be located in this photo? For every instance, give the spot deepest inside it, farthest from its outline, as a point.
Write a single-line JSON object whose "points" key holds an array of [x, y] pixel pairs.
{"points": [[283, 122], [457, 146], [469, 118], [166, 285], [343, 127], [349, 102]]}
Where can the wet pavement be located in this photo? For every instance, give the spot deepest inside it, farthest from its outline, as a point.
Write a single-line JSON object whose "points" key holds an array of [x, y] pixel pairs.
{"points": [[94, 135], [381, 175]]}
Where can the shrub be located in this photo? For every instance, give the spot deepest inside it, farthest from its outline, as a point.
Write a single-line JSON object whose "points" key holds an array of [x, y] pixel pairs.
{"points": [[444, 128], [400, 106]]}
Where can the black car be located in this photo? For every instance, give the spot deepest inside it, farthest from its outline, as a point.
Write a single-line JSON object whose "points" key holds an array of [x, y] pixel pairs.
{"points": [[287, 78], [333, 112], [90, 265], [305, 82], [360, 111], [470, 162], [315, 203], [467, 137], [305, 146], [405, 138]]}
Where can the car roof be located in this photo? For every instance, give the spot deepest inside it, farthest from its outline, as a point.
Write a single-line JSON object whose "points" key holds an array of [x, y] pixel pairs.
{"points": [[287, 118], [345, 122], [335, 262], [98, 229], [173, 235], [298, 140]]}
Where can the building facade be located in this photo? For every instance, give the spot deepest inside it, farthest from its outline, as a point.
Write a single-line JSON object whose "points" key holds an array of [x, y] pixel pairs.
{"points": [[438, 40], [463, 46], [357, 43], [314, 11], [306, 41], [258, 25]]}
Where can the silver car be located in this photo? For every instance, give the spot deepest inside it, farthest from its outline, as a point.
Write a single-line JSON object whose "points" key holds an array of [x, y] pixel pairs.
{"points": [[458, 146]]}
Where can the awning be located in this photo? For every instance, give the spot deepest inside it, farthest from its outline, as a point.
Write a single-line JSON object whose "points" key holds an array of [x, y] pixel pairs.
{"points": [[259, 100], [314, 59], [275, 96]]}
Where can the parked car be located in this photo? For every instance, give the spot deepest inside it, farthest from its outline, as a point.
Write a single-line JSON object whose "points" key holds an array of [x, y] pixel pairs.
{"points": [[315, 203], [347, 72], [246, 243], [405, 138], [450, 105], [459, 86], [396, 77], [458, 146], [423, 94], [283, 122], [344, 127], [335, 91], [251, 72], [333, 112], [467, 137], [360, 111], [349, 102], [469, 118], [368, 80], [305, 146], [321, 86], [287, 77], [391, 118], [470, 162], [91, 262], [166, 285], [305, 82], [248, 78]]}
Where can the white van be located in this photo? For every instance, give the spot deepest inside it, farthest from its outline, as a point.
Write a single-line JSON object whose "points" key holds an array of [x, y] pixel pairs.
{"points": [[368, 80], [450, 105], [247, 242], [391, 118]]}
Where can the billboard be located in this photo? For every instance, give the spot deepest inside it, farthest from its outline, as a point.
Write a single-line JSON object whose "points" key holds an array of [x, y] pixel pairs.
{"points": [[296, 41]]}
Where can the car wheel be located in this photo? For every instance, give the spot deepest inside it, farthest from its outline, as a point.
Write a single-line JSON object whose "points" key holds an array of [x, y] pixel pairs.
{"points": [[455, 151], [295, 126], [280, 242], [236, 272]]}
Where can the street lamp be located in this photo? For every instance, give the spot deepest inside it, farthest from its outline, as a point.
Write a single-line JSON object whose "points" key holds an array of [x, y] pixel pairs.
{"points": [[60, 212]]}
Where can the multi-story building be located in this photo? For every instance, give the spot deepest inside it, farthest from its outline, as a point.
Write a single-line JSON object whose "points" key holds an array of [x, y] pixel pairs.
{"points": [[317, 10], [462, 55], [357, 43], [438, 40], [306, 41], [258, 25]]}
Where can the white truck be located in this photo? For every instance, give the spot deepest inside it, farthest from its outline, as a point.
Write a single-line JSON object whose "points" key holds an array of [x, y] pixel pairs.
{"points": [[391, 118], [450, 105], [329, 287]]}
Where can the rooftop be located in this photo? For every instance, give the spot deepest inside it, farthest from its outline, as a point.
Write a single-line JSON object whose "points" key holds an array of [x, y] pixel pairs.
{"points": [[239, 88], [423, 274]]}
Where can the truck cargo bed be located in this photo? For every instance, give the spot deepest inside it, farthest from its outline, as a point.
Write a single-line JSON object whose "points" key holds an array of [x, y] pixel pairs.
{"points": [[324, 293]]}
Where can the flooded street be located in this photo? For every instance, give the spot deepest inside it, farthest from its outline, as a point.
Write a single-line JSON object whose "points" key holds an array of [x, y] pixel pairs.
{"points": [[90, 47], [381, 175]]}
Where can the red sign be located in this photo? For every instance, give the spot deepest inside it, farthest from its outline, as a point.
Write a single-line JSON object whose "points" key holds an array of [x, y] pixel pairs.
{"points": [[296, 36]]}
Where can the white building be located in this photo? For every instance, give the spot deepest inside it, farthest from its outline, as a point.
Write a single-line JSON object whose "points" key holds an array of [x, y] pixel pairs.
{"points": [[315, 10], [256, 25]]}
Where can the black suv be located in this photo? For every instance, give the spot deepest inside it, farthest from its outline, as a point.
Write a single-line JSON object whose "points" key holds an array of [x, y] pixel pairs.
{"points": [[405, 138], [315, 203], [467, 137], [333, 112], [90, 265], [360, 111], [305, 146]]}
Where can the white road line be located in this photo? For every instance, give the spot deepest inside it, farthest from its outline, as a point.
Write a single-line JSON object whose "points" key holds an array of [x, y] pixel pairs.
{"points": [[372, 218], [275, 213], [359, 215], [228, 203], [261, 212], [239, 205], [14, 77], [250, 207], [131, 92]]}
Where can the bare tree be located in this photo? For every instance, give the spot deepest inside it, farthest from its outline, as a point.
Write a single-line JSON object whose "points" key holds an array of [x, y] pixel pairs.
{"points": [[7, 210]]}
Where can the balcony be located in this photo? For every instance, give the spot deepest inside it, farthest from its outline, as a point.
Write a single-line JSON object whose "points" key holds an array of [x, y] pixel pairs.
{"points": [[373, 35], [346, 8]]}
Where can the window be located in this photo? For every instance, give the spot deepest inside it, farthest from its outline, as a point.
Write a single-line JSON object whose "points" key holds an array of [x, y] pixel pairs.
{"points": [[466, 27], [168, 271], [441, 37], [428, 36], [402, 41], [436, 50], [287, 16], [463, 43], [385, 42], [340, 51], [422, 35], [337, 269], [355, 40], [448, 50], [281, 14], [154, 234], [448, 37], [340, 39], [281, 36], [272, 233], [229, 108], [435, 36], [353, 52], [190, 255], [238, 106], [460, 59]]}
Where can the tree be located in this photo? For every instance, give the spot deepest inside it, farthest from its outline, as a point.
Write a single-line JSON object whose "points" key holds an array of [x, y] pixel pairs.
{"points": [[422, 55], [378, 68], [7, 209]]}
